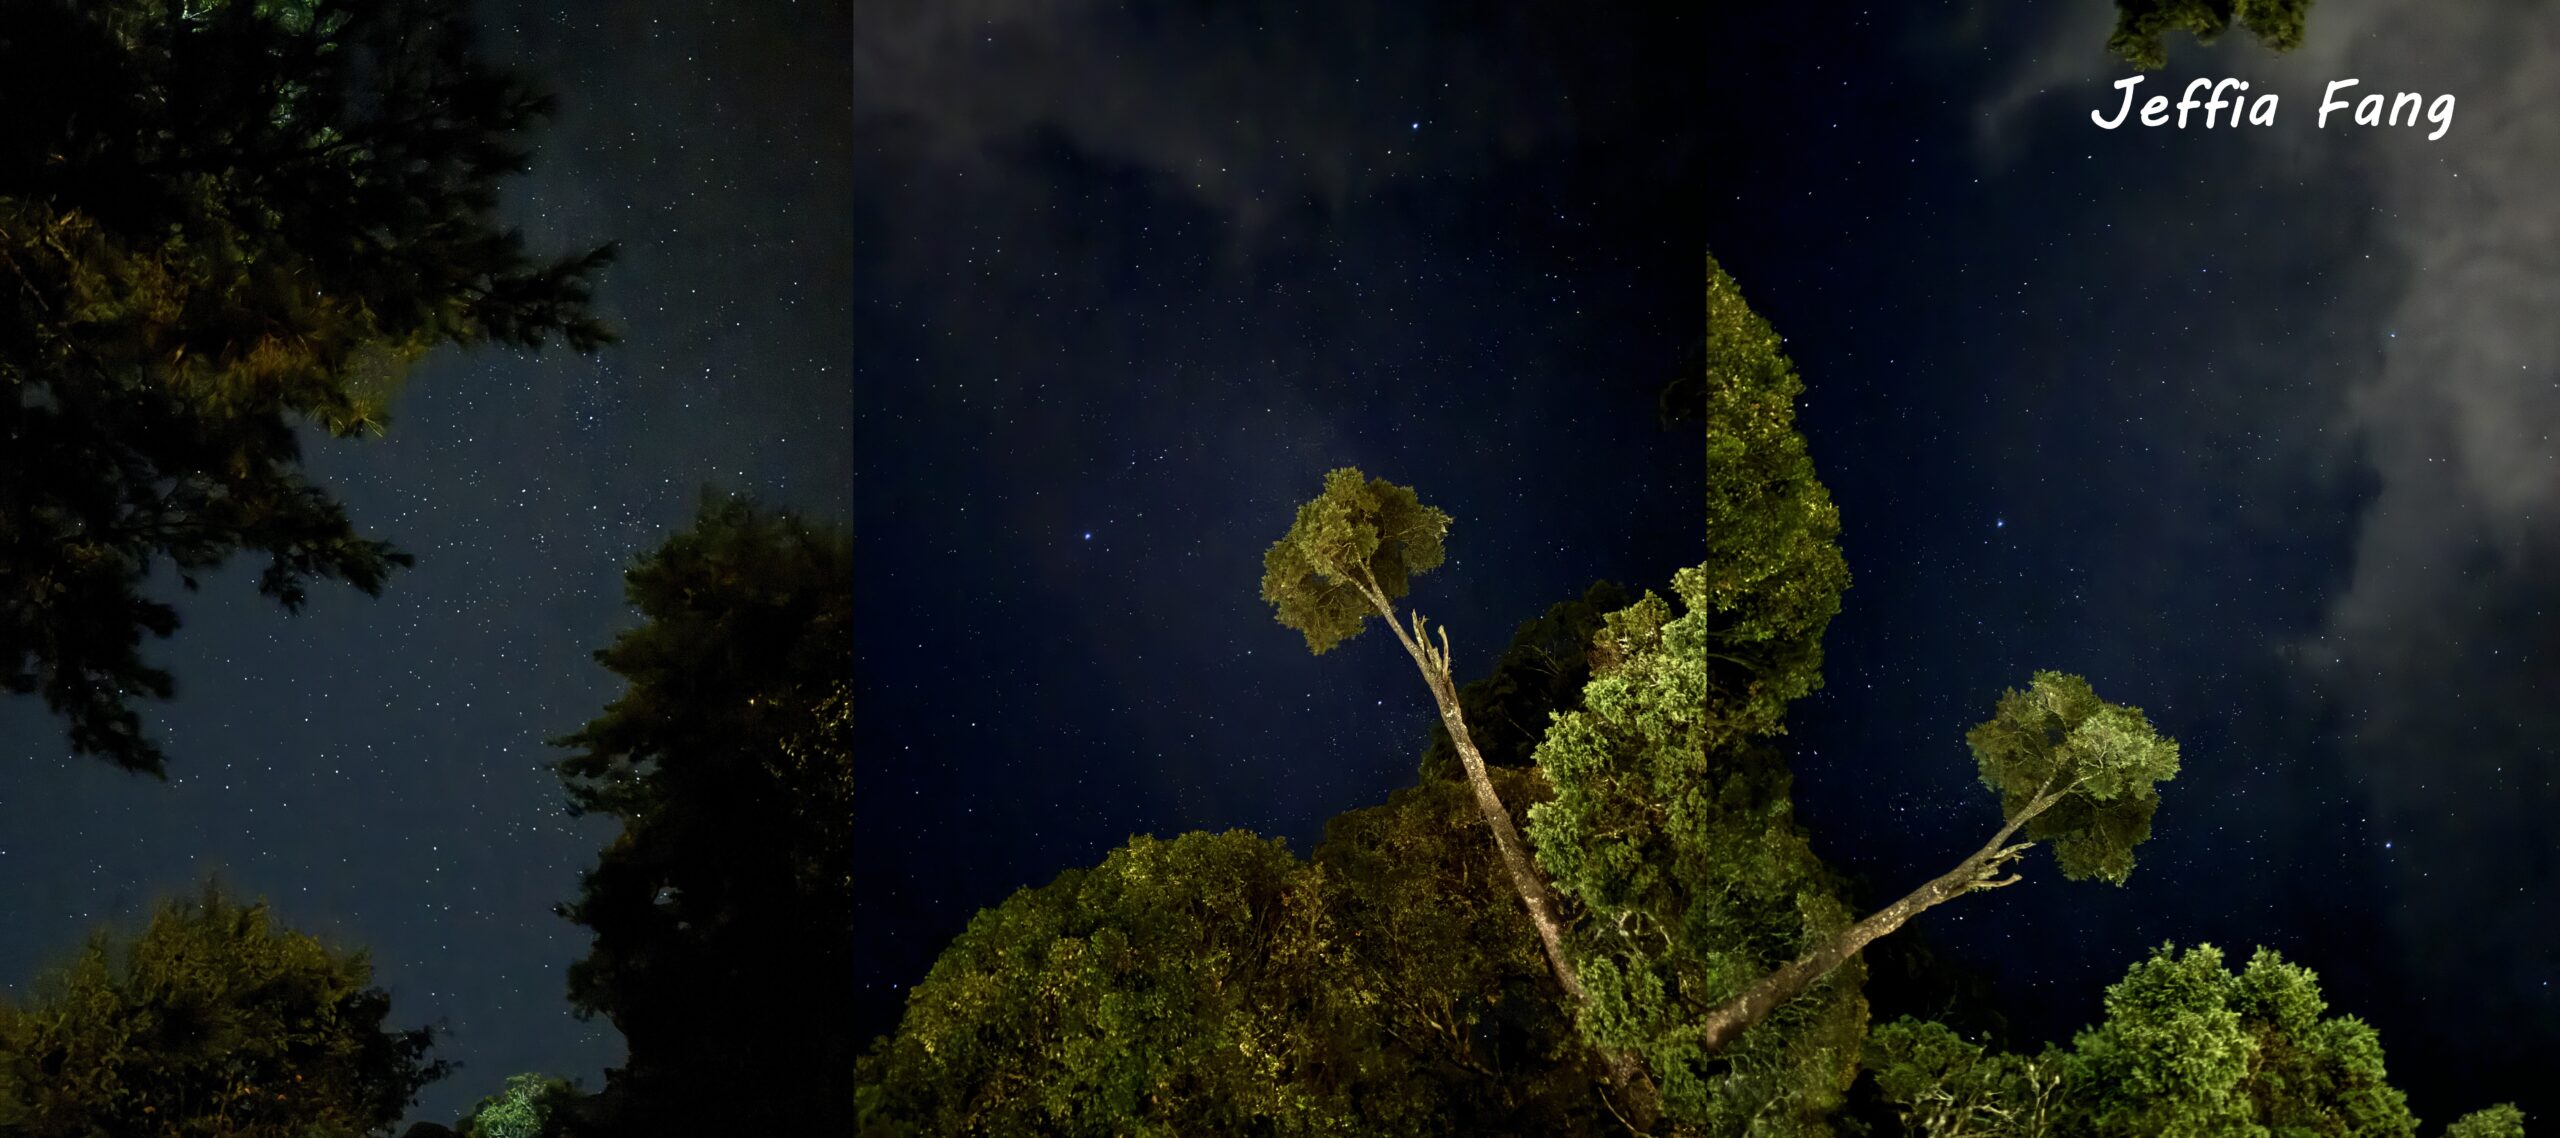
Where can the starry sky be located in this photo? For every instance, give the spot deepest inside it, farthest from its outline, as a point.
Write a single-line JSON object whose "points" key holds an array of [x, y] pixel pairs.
{"points": [[376, 768], [2252, 428]]}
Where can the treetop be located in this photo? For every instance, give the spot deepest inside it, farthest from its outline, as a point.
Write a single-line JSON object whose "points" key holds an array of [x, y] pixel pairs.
{"points": [[2097, 762], [1359, 534]]}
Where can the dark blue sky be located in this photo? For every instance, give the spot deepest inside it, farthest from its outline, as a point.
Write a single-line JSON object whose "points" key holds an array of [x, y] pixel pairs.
{"points": [[2249, 427], [376, 768]]}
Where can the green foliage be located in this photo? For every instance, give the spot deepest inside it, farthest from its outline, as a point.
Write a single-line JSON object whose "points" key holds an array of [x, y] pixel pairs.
{"points": [[2140, 24], [1773, 574], [1695, 882], [1672, 825], [1540, 672], [1942, 1086], [211, 1023], [1445, 997], [2187, 1048], [2500, 1121], [1159, 993], [518, 1111], [1211, 984], [1358, 533], [2102, 760], [220, 222], [729, 761]]}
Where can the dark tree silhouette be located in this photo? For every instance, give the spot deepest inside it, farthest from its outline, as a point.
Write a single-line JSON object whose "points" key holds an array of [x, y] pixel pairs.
{"points": [[723, 913], [221, 222], [211, 1022]]}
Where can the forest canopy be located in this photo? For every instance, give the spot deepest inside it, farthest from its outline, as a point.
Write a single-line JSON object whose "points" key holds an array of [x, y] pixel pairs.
{"points": [[1628, 932]]}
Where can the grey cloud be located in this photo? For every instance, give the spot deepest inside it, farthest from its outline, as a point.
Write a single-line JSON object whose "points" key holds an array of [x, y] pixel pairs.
{"points": [[1245, 114]]}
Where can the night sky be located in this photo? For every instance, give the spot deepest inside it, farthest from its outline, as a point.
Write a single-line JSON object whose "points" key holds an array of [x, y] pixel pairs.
{"points": [[2252, 428], [376, 767]]}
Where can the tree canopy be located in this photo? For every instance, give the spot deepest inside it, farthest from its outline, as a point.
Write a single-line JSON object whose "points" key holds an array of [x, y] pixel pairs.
{"points": [[1694, 880], [1360, 535], [222, 222], [728, 759], [212, 1023], [521, 1109], [2088, 770], [1213, 984], [2187, 1047], [2141, 25], [1149, 996], [1773, 575], [1705, 970]]}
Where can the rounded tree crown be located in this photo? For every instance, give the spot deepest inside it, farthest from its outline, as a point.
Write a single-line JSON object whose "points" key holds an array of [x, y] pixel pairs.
{"points": [[1360, 533], [2103, 761]]}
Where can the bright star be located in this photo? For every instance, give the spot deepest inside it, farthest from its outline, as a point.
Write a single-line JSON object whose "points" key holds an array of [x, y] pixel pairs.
{"points": [[1999, 523], [1088, 535], [1417, 126]]}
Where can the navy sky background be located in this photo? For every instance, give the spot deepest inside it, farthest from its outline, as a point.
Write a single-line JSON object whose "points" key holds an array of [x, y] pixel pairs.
{"points": [[2250, 427], [377, 768]]}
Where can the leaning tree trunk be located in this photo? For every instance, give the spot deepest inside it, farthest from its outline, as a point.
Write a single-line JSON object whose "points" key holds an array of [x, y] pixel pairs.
{"points": [[1978, 872], [1532, 886], [1643, 1097]]}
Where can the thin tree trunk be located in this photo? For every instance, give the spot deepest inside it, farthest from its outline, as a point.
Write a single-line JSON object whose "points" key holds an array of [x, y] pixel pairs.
{"points": [[1643, 1097], [1727, 1022], [1532, 886]]}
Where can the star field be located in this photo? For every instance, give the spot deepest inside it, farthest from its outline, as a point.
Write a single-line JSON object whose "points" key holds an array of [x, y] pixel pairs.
{"points": [[377, 767]]}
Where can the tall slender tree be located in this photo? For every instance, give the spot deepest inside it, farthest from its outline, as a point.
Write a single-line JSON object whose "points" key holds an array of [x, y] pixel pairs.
{"points": [[723, 913], [1351, 554], [222, 222]]}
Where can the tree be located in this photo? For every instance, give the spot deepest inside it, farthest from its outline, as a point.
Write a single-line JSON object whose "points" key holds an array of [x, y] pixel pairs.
{"points": [[2187, 1047], [723, 913], [1173, 989], [1773, 574], [2140, 25], [1441, 987], [1695, 883], [522, 1109], [1212, 984], [1705, 911], [2500, 1121], [211, 1023], [1672, 824], [1941, 1085], [1352, 552], [221, 221], [2071, 769]]}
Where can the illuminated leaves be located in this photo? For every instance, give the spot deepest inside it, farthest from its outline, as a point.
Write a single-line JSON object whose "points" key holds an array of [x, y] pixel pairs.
{"points": [[2099, 763], [1359, 533]]}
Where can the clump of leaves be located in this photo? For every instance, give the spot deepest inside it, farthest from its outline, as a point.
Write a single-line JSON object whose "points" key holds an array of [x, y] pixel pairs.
{"points": [[1361, 538]]}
